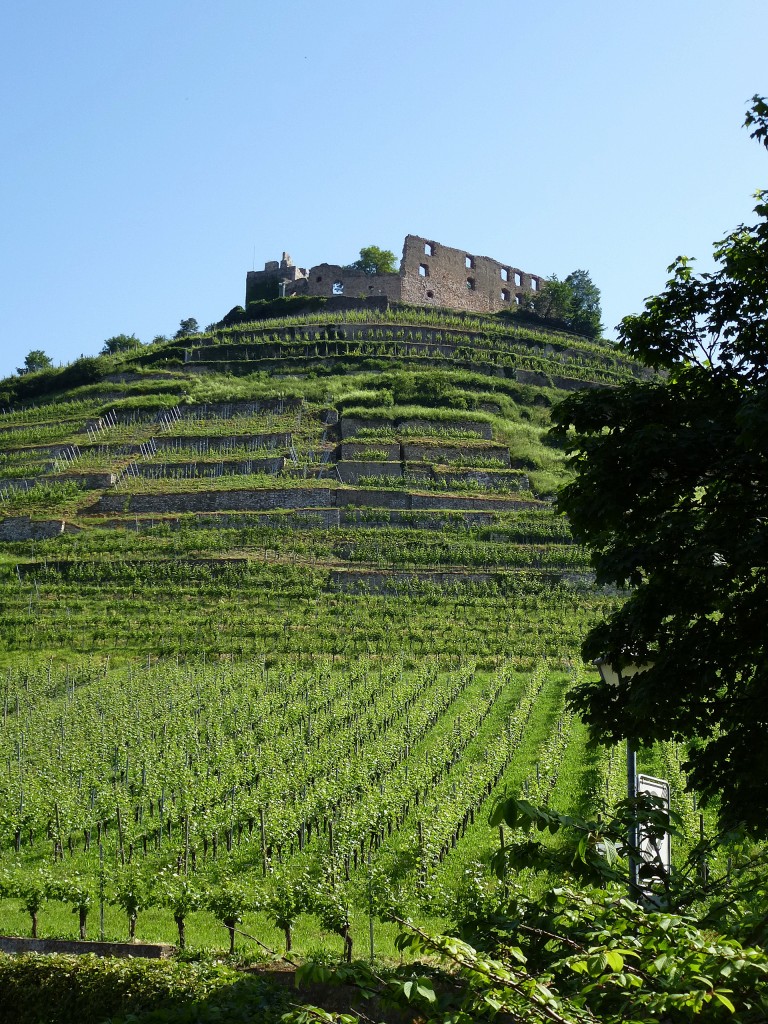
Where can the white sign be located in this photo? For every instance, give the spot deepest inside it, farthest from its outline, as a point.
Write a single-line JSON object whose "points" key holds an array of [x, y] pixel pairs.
{"points": [[654, 849]]}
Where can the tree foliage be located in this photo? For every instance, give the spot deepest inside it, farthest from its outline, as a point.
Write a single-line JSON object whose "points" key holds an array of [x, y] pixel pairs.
{"points": [[670, 494], [574, 302], [34, 361], [120, 343], [374, 260], [188, 326]]}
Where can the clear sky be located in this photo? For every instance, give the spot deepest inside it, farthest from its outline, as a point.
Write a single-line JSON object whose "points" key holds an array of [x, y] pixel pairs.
{"points": [[152, 152]]}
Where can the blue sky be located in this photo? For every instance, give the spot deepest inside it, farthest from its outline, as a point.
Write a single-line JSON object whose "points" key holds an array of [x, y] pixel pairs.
{"points": [[150, 150]]}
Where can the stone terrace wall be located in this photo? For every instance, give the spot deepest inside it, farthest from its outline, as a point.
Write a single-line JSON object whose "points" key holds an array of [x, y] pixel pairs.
{"points": [[264, 500], [439, 453], [24, 528], [351, 426], [351, 472], [224, 442], [218, 501]]}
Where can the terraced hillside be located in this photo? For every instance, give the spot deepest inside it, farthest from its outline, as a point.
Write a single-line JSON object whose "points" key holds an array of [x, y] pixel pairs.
{"points": [[291, 600]]}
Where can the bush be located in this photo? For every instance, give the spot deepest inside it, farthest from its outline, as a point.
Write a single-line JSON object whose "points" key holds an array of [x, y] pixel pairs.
{"points": [[73, 989]]}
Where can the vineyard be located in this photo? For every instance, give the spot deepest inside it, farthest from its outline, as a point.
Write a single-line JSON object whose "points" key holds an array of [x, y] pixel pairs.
{"points": [[285, 608]]}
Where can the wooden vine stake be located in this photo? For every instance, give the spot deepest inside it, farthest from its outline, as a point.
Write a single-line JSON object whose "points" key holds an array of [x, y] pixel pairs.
{"points": [[263, 841], [120, 836]]}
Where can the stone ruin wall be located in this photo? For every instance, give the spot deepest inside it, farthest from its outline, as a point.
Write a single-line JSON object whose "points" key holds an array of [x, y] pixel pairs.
{"points": [[435, 274], [430, 274]]}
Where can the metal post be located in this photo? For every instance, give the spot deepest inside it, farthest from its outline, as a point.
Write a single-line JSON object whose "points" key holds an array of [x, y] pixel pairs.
{"points": [[632, 837], [370, 907], [101, 892]]}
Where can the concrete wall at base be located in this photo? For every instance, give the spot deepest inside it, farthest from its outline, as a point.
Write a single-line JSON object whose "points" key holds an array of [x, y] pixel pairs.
{"points": [[151, 950]]}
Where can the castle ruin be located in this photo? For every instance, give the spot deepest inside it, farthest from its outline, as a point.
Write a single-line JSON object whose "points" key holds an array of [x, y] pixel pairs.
{"points": [[430, 274]]}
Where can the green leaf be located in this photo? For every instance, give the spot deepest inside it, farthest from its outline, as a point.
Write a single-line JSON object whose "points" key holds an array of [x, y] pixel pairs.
{"points": [[615, 959], [426, 991], [721, 996]]}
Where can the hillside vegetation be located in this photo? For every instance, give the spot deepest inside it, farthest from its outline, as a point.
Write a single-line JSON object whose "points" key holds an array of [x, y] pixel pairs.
{"points": [[285, 607]]}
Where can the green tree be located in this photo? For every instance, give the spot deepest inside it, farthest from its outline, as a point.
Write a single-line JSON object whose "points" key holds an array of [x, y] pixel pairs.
{"points": [[575, 301], [120, 343], [584, 313], [553, 300], [188, 326], [670, 494], [374, 260], [34, 361]]}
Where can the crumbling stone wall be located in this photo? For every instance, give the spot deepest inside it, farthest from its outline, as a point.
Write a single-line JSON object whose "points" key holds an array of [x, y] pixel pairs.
{"points": [[430, 274], [433, 273], [330, 279]]}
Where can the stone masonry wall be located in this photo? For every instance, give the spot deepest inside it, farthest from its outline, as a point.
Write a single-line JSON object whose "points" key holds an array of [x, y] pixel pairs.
{"points": [[436, 274], [330, 279], [430, 274], [24, 528]]}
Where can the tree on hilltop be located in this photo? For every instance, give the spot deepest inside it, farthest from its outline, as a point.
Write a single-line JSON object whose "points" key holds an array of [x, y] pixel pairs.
{"points": [[584, 311], [188, 326], [374, 260], [575, 301], [120, 343], [671, 493], [34, 361]]}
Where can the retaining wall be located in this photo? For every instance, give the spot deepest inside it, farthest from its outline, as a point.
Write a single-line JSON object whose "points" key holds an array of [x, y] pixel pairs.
{"points": [[224, 443], [351, 472], [351, 425], [217, 501], [425, 452], [355, 450], [232, 467], [151, 950], [24, 528]]}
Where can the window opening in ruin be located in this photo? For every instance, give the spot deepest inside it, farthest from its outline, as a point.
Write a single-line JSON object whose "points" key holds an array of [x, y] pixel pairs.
{"points": [[318, 279], [469, 262], [470, 284], [429, 249], [430, 295], [423, 270], [518, 299], [504, 295], [338, 287], [534, 285], [504, 274], [518, 280]]}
